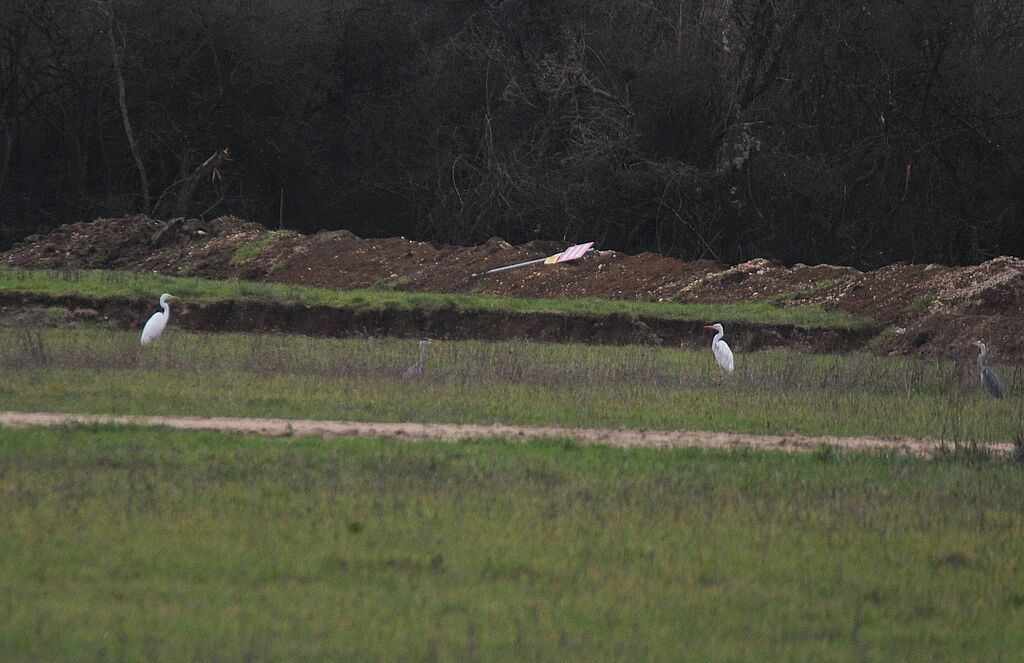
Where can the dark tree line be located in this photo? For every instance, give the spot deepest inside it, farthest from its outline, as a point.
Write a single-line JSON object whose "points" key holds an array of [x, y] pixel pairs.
{"points": [[807, 130]]}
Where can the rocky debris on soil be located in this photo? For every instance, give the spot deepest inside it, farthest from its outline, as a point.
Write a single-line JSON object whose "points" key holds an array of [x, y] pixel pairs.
{"points": [[931, 309], [761, 279]]}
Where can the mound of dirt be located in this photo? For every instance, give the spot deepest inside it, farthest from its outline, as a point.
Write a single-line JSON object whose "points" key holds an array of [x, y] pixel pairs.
{"points": [[136, 243], [231, 248], [760, 279], [932, 309]]}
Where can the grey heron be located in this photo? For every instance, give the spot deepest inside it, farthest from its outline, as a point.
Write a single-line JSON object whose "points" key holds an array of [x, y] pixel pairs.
{"points": [[156, 323], [989, 379], [723, 355], [416, 370]]}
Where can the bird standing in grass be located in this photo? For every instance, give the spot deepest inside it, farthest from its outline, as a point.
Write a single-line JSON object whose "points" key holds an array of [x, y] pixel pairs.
{"points": [[723, 355], [989, 379], [156, 323], [416, 370]]}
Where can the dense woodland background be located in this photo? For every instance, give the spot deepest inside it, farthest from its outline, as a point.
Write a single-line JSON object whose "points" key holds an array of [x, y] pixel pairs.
{"points": [[806, 130]]}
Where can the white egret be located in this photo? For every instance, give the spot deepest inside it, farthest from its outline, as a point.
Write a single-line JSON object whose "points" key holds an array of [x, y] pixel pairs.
{"points": [[416, 370], [156, 323], [989, 379], [723, 355]]}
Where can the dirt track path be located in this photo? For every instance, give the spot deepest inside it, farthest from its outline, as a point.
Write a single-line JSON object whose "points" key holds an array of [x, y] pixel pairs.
{"points": [[449, 432]]}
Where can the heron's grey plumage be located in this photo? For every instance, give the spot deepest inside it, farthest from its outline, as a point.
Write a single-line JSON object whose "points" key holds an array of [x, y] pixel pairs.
{"points": [[991, 382], [416, 370], [989, 379]]}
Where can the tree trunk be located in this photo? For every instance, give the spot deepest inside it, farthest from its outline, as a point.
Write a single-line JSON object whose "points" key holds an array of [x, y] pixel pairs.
{"points": [[121, 99], [5, 163]]}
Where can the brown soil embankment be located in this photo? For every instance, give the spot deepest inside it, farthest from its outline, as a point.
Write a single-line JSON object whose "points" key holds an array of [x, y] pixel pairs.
{"points": [[441, 323], [930, 309]]}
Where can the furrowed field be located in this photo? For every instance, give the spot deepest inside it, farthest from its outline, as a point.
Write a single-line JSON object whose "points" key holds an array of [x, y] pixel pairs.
{"points": [[136, 544]]}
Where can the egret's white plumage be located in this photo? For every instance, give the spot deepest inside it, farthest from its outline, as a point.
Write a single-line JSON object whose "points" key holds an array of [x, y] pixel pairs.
{"points": [[723, 355], [156, 323]]}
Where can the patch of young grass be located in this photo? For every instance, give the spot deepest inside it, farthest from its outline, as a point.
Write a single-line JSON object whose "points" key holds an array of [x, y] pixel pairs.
{"points": [[127, 543], [882, 337], [102, 371], [393, 283], [103, 283], [921, 303], [253, 249]]}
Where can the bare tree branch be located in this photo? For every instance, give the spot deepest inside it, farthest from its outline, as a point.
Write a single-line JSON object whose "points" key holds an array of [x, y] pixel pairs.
{"points": [[114, 32]]}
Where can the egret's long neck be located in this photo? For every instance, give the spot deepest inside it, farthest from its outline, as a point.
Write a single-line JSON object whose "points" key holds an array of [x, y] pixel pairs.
{"points": [[423, 354], [167, 309], [718, 337], [981, 358]]}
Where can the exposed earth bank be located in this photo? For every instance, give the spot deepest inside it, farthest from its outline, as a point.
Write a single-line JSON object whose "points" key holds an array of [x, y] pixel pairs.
{"points": [[294, 318], [930, 309]]}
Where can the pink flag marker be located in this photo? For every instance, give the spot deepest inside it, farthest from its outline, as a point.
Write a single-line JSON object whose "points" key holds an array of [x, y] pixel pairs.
{"points": [[575, 252]]}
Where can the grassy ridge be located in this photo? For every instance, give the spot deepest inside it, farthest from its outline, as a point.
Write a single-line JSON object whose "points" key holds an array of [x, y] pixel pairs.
{"points": [[102, 283], [122, 543], [100, 371]]}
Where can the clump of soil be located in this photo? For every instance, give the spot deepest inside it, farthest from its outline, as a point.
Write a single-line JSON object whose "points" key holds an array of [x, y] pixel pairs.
{"points": [[932, 309]]}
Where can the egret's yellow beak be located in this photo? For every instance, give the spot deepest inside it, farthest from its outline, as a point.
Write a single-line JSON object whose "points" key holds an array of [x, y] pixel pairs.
{"points": [[172, 298], [710, 327]]}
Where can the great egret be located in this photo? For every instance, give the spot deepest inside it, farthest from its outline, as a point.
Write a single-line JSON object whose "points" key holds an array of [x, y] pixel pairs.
{"points": [[416, 370], [723, 355], [156, 323], [989, 379]]}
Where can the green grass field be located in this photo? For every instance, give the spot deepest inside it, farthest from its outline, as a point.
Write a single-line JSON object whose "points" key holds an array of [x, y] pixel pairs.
{"points": [[147, 544], [101, 284], [92, 370]]}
